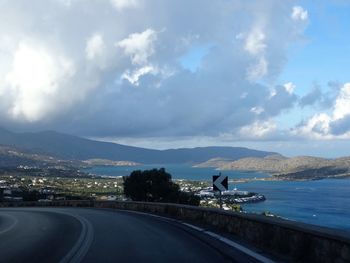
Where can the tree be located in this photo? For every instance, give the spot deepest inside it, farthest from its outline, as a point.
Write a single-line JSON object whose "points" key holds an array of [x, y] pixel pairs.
{"points": [[155, 186]]}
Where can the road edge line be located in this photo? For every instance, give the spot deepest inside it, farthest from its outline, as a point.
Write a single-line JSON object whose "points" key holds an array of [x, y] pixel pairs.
{"points": [[223, 239]]}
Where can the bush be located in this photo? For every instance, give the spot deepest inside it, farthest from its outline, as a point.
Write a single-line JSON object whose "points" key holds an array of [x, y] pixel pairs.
{"points": [[155, 186], [189, 199]]}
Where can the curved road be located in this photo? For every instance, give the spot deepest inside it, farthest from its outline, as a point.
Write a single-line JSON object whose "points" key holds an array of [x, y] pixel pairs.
{"points": [[96, 235]]}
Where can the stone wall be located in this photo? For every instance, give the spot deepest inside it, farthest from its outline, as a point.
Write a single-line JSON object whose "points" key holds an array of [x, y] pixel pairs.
{"points": [[296, 241]]}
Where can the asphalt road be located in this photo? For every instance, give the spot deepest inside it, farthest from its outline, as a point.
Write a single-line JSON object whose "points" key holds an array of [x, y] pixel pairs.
{"points": [[95, 235]]}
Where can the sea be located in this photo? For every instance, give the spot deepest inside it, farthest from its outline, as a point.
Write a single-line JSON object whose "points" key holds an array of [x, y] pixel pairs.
{"points": [[323, 202]]}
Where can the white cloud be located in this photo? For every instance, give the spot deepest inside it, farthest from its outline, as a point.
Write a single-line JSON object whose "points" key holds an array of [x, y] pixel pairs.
{"points": [[317, 127], [257, 70], [342, 103], [35, 78], [258, 129], [322, 125], [139, 46], [255, 41], [299, 13], [125, 4], [72, 76], [257, 110], [289, 87], [95, 47], [273, 93], [255, 45], [133, 77]]}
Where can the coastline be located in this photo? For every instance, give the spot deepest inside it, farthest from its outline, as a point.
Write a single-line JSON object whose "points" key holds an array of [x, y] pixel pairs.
{"points": [[261, 175], [327, 198]]}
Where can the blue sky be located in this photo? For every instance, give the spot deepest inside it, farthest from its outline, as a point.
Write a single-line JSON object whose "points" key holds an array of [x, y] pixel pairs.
{"points": [[266, 74], [323, 56], [192, 59]]}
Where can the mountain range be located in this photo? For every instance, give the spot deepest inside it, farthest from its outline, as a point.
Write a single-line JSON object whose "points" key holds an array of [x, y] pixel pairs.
{"points": [[71, 147], [53, 149]]}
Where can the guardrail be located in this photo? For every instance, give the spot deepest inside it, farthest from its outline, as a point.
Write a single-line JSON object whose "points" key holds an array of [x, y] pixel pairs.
{"points": [[298, 242]]}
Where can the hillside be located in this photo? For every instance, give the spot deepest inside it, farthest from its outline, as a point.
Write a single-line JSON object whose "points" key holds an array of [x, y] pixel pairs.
{"points": [[76, 148], [13, 157], [300, 167]]}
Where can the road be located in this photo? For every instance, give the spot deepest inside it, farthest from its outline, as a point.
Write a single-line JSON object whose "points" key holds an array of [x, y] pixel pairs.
{"points": [[96, 235]]}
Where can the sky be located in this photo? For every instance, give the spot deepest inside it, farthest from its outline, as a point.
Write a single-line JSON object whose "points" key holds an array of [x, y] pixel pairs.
{"points": [[265, 74]]}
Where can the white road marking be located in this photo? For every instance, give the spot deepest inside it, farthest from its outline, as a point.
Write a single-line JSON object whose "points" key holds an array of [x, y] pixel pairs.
{"points": [[194, 227], [15, 221], [239, 247], [82, 246], [225, 240]]}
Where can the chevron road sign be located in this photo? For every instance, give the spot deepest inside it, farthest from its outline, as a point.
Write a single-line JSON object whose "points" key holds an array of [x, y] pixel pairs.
{"points": [[220, 182]]}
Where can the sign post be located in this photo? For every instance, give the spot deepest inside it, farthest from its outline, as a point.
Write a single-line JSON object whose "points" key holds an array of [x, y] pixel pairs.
{"points": [[220, 183]]}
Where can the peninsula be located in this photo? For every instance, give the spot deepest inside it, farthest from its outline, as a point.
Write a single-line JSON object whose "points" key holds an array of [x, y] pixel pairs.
{"points": [[283, 168]]}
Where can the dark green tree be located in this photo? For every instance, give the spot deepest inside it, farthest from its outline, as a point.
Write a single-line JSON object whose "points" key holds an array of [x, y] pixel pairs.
{"points": [[28, 195], [155, 186]]}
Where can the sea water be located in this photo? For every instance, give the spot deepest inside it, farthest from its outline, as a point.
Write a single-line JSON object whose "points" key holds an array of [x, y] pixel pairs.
{"points": [[177, 171], [323, 202]]}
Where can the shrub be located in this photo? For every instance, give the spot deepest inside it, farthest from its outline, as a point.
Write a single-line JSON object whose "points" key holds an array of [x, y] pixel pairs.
{"points": [[155, 186]]}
